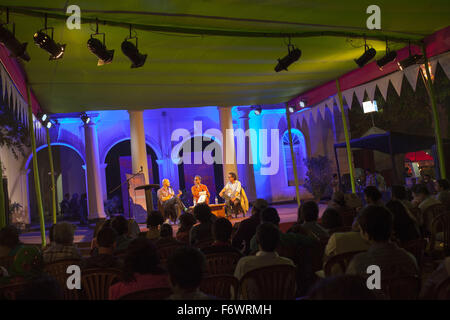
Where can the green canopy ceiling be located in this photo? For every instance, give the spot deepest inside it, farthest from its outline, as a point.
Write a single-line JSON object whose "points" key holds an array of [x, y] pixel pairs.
{"points": [[203, 69]]}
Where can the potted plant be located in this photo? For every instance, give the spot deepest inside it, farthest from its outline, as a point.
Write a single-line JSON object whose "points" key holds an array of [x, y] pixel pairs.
{"points": [[318, 176]]}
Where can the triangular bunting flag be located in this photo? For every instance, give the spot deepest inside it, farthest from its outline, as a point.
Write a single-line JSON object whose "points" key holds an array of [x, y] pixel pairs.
{"points": [[433, 68], [315, 113], [359, 91], [411, 74], [322, 108], [445, 64], [347, 95], [383, 84], [396, 79], [370, 89]]}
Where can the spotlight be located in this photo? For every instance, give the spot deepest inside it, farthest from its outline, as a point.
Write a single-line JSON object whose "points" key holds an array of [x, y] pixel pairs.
{"points": [[85, 118], [258, 110], [47, 43], [368, 55], [293, 55], [132, 52], [411, 60], [16, 48], [98, 48], [291, 109], [48, 124], [42, 116], [302, 104], [388, 57]]}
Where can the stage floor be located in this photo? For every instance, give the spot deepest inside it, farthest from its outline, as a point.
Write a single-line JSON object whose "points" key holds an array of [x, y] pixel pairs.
{"points": [[287, 212]]}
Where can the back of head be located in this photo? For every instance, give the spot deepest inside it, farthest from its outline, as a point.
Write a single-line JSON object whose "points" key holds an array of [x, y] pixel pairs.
{"points": [[222, 229], [202, 212], [270, 214], [443, 184], [120, 225], [28, 262], [372, 193], [186, 268], [258, 206], [42, 288], [339, 198], [106, 237], [166, 231], [377, 222], [9, 237], [142, 257], [344, 287], [421, 189], [63, 233], [154, 219], [187, 220], [309, 211], [268, 236], [399, 214], [331, 219], [399, 192]]}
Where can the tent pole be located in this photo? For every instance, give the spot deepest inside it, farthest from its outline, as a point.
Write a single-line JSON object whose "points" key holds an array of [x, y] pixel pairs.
{"points": [[347, 138], [288, 118], [52, 175], [2, 199], [337, 168], [37, 184], [437, 126]]}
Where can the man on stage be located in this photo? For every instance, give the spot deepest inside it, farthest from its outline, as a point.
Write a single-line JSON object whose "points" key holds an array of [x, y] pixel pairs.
{"points": [[232, 193], [171, 204], [200, 191]]}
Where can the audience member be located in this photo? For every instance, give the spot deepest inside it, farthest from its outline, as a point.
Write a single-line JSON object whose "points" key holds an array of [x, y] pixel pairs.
{"points": [[423, 200], [106, 239], [202, 231], [444, 192], [441, 274], [186, 268], [404, 227], [154, 220], [331, 219], [268, 239], [141, 270], [247, 227], [166, 236], [63, 247], [429, 183], [338, 202], [221, 231], [376, 224], [373, 196], [299, 239], [9, 241], [120, 225], [27, 265], [187, 221], [342, 287], [307, 215]]}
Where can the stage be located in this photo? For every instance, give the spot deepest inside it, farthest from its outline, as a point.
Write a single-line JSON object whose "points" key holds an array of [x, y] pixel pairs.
{"points": [[287, 212]]}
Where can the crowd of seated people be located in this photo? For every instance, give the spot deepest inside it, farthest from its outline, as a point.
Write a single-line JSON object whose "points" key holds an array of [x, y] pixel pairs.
{"points": [[378, 236]]}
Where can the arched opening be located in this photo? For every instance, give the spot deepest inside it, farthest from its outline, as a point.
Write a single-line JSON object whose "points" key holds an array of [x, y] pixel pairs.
{"points": [[298, 142], [118, 161], [70, 178], [212, 175]]}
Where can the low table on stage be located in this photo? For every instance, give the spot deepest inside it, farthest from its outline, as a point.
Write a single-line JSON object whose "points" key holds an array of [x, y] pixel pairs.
{"points": [[148, 194], [217, 209]]}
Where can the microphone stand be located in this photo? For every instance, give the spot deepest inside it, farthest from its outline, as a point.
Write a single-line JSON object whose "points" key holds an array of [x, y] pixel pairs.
{"points": [[128, 188]]}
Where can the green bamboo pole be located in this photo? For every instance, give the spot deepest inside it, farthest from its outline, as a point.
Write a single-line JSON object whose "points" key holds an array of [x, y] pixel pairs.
{"points": [[347, 137], [288, 118], [37, 184], [437, 126], [2, 199], [52, 175]]}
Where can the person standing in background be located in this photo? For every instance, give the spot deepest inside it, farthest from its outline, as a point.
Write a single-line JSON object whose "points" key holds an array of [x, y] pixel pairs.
{"points": [[83, 210]]}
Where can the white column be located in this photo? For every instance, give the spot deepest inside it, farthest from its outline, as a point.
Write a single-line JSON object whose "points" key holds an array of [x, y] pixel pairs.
{"points": [[228, 147], [247, 171], [138, 145], [93, 174]]}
